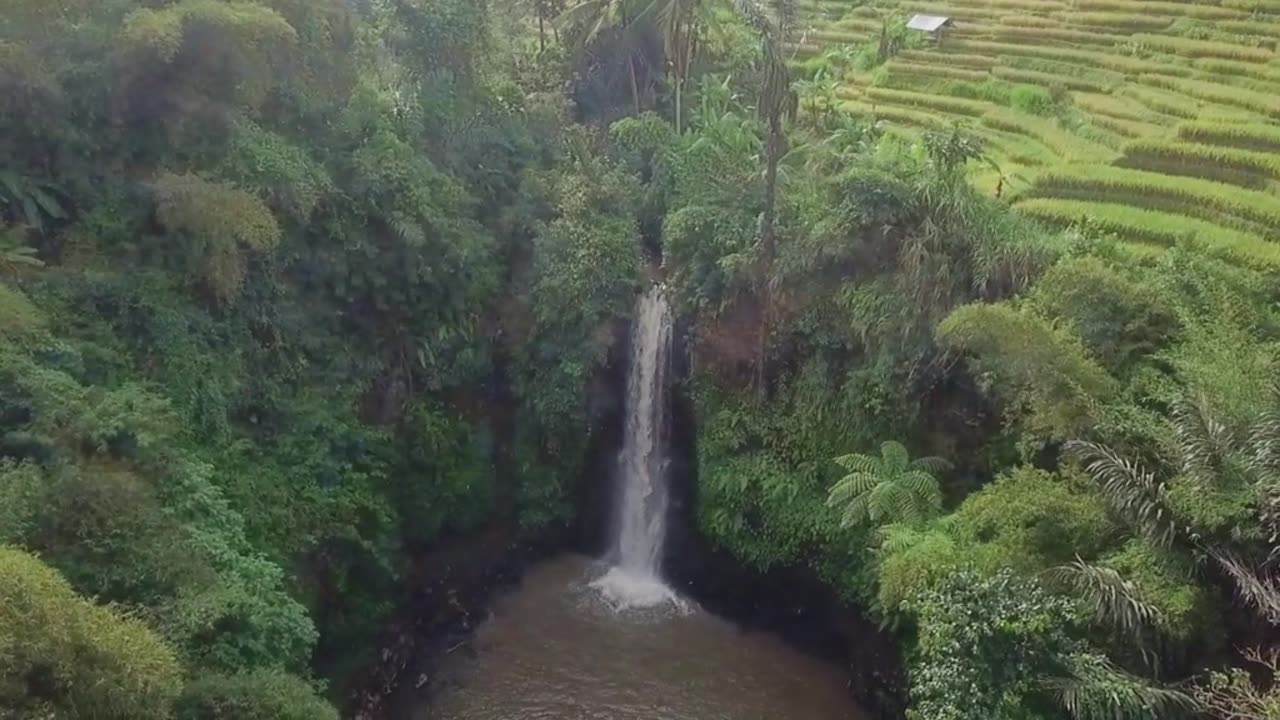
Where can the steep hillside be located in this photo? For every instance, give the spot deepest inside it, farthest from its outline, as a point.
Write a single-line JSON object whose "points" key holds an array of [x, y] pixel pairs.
{"points": [[1157, 120]]}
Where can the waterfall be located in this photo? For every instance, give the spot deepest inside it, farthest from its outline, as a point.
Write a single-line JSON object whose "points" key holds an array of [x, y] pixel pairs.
{"points": [[640, 518]]}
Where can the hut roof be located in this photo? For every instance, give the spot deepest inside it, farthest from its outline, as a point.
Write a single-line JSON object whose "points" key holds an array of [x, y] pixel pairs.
{"points": [[928, 23]]}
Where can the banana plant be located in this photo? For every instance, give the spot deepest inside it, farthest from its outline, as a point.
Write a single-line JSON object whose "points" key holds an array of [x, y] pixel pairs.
{"points": [[31, 202]]}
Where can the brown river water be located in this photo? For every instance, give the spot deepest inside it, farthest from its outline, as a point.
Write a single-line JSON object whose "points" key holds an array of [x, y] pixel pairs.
{"points": [[555, 650]]}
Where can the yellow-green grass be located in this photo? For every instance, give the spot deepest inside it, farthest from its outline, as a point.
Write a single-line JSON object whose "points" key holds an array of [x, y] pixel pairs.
{"points": [[1249, 27], [1218, 66], [1028, 21], [1177, 9], [1033, 6], [940, 71], [1116, 106], [1123, 22], [1218, 93], [977, 62], [1188, 47], [898, 115], [1048, 35], [842, 36], [1240, 167], [1092, 58], [1270, 88], [1208, 200], [942, 103], [1156, 227], [1127, 128], [961, 14], [1260, 137], [1164, 102], [1069, 147], [1045, 79], [1019, 150], [1266, 6], [1106, 78]]}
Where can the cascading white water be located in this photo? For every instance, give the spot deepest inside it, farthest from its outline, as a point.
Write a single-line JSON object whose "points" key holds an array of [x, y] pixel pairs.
{"points": [[640, 521]]}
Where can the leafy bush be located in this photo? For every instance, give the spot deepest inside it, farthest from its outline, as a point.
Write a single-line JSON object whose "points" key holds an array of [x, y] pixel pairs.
{"points": [[1120, 320], [261, 695], [985, 645], [1043, 372], [61, 656]]}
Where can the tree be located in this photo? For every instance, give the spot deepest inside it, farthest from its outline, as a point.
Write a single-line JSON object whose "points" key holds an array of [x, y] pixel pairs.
{"points": [[777, 101], [889, 488], [593, 17], [680, 23], [62, 656]]}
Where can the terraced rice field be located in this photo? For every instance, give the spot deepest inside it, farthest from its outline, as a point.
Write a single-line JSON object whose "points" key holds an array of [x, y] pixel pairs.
{"points": [[1158, 120]]}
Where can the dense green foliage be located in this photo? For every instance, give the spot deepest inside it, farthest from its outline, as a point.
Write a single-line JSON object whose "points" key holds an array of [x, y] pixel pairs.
{"points": [[292, 293]]}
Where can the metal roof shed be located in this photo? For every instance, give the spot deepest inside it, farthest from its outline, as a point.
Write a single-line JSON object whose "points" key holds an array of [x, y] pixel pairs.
{"points": [[928, 23]]}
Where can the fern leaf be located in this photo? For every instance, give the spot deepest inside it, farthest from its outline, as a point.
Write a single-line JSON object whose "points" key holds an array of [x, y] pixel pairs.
{"points": [[895, 456]]}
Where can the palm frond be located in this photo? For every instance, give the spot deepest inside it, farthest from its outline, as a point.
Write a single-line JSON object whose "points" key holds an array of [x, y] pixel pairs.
{"points": [[857, 462], [931, 465], [895, 455], [1113, 600], [849, 487], [1092, 688], [1264, 444], [1203, 441], [896, 537], [1263, 593], [1131, 490], [923, 486]]}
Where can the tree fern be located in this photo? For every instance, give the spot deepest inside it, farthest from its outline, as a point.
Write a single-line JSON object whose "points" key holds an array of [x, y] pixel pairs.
{"points": [[889, 488]]}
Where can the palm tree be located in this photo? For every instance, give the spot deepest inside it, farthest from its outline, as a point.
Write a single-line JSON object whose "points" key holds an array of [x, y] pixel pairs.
{"points": [[596, 16], [889, 488], [773, 21], [680, 22]]}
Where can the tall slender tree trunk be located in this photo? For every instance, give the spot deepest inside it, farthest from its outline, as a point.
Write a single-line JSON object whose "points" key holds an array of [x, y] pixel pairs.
{"points": [[775, 148], [542, 34], [679, 105], [635, 87]]}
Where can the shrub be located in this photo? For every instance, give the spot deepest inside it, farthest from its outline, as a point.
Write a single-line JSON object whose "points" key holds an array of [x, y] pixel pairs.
{"points": [[1031, 520], [220, 222], [260, 695], [1119, 320], [1041, 372], [61, 656]]}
